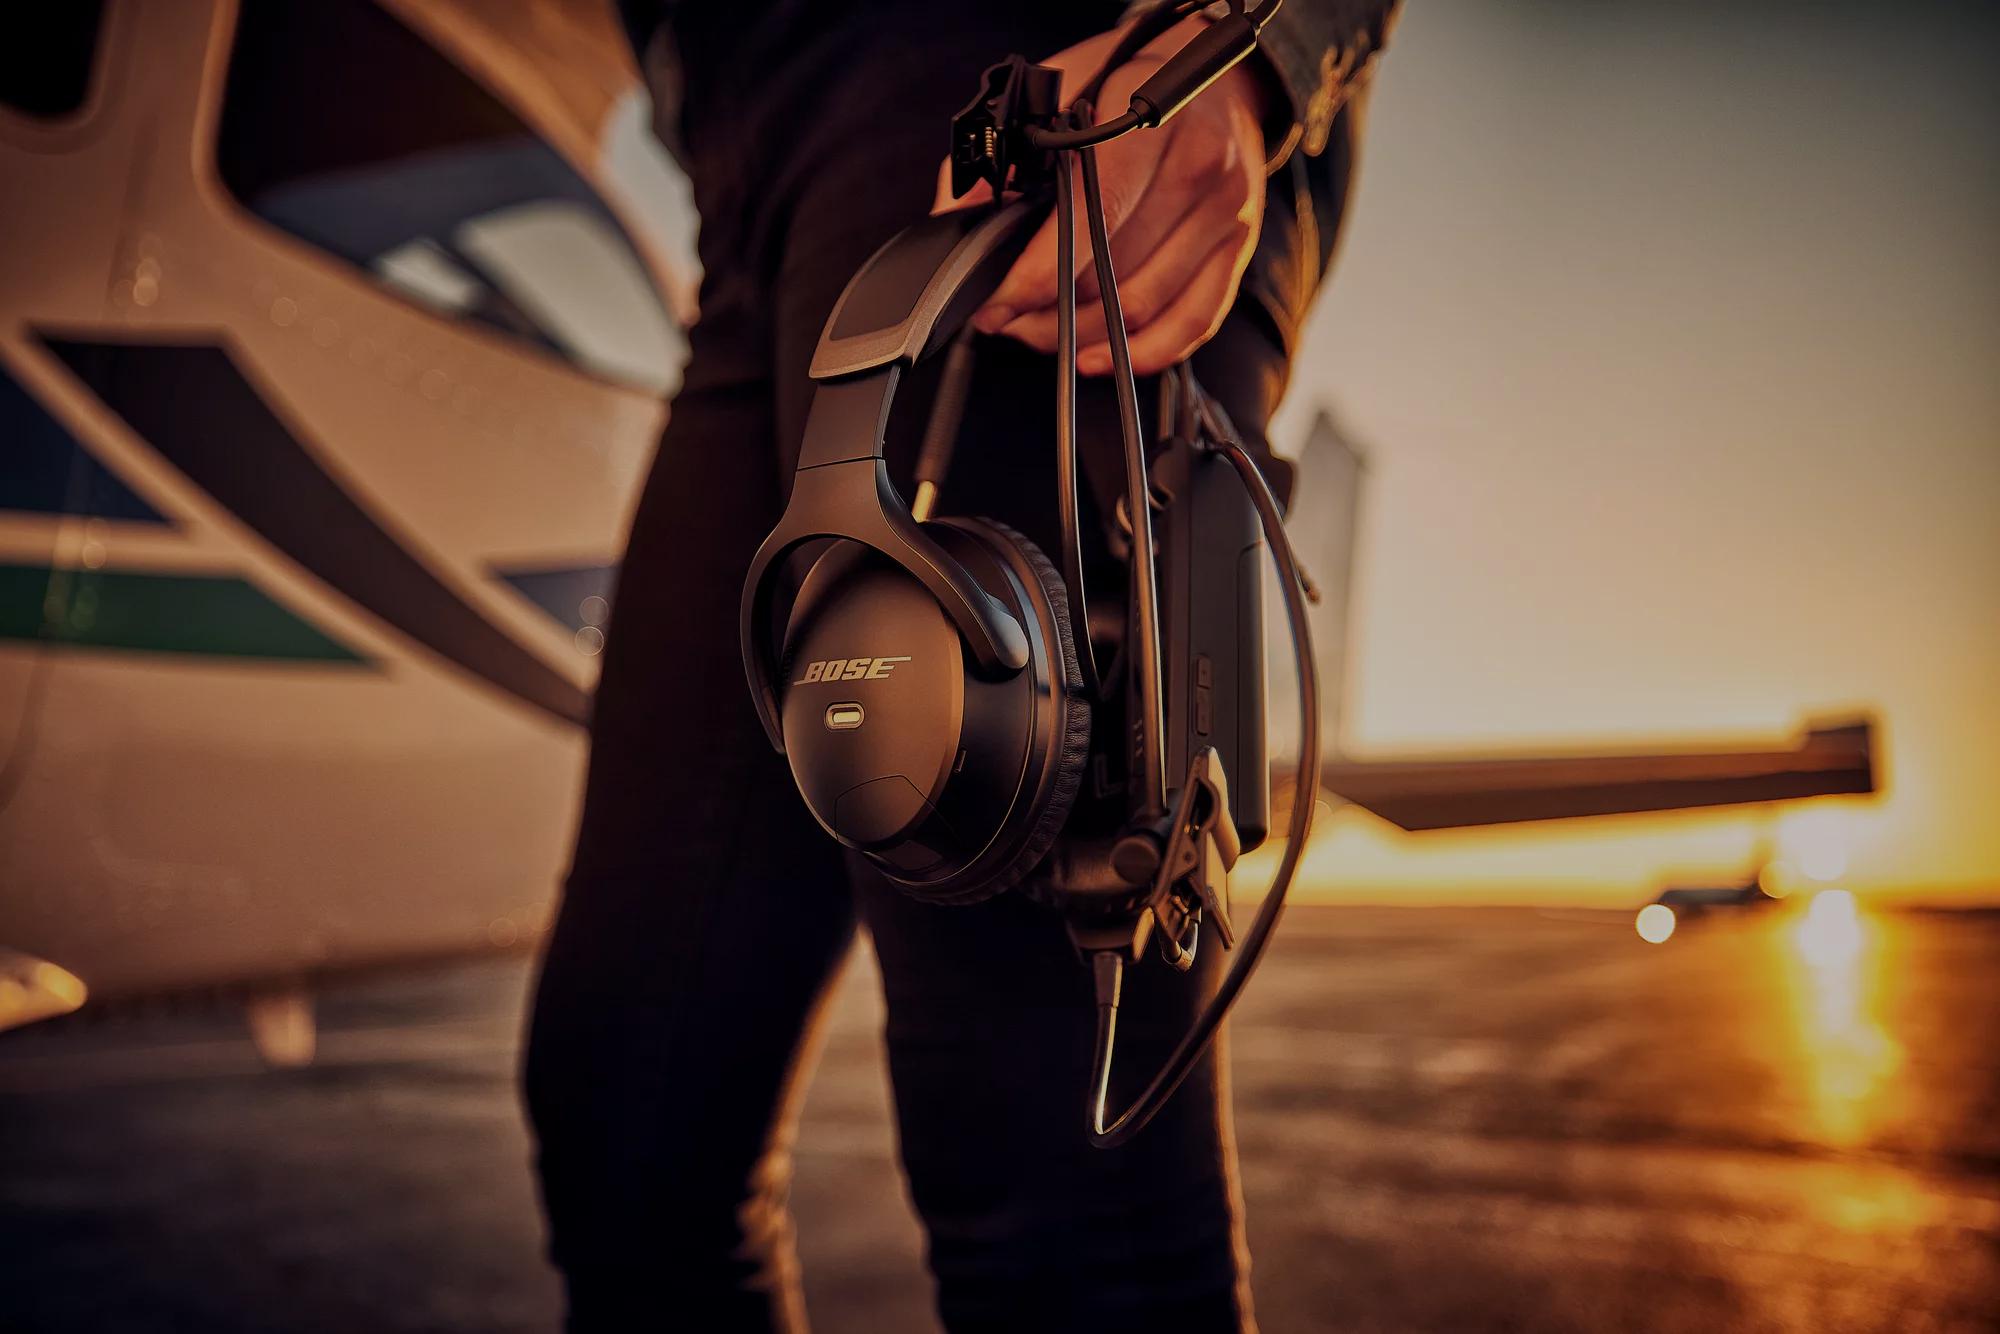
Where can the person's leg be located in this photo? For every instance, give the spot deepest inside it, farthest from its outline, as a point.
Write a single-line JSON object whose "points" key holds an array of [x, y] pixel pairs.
{"points": [[991, 1015], [703, 916], [990, 1027], [705, 911]]}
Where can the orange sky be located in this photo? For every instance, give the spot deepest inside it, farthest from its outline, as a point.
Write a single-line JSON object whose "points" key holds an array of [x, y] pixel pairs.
{"points": [[1671, 334]]}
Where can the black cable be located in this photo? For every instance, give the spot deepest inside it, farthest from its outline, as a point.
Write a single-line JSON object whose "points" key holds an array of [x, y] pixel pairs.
{"points": [[941, 429], [1066, 466], [1144, 29], [1108, 966], [1145, 583], [1087, 136], [1179, 79]]}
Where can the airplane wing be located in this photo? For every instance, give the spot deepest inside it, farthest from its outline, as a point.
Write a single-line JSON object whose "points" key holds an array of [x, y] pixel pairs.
{"points": [[1460, 792]]}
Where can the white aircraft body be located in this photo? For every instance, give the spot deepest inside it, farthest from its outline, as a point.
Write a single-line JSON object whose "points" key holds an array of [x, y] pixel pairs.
{"points": [[301, 562]]}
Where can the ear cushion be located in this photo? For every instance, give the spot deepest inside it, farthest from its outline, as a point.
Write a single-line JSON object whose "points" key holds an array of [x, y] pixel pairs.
{"points": [[1073, 748]]}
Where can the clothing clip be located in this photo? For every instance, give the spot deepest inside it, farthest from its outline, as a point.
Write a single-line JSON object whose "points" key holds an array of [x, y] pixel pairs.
{"points": [[989, 135], [1202, 847]]}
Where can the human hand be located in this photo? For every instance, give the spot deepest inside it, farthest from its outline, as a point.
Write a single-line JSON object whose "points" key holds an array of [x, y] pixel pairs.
{"points": [[1183, 205]]}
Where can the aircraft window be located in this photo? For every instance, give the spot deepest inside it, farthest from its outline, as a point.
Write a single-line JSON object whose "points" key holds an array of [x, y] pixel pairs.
{"points": [[577, 279], [433, 187], [45, 64], [420, 270]]}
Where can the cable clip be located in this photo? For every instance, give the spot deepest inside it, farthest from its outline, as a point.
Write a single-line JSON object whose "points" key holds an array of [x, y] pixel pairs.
{"points": [[989, 139], [1202, 847]]}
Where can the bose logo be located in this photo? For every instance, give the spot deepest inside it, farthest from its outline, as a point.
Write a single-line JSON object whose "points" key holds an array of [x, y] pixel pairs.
{"points": [[849, 669]]}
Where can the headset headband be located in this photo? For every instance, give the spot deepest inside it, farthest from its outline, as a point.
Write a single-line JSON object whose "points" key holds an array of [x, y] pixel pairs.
{"points": [[908, 300]]}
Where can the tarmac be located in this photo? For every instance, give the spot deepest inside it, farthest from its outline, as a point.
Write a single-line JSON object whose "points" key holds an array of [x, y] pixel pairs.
{"points": [[1450, 1119]]}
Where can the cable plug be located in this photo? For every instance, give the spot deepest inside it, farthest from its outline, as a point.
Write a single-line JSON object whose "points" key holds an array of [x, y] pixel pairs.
{"points": [[1209, 55]]}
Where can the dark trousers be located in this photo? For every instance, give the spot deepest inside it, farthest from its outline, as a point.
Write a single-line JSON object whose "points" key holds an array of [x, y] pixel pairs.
{"points": [[705, 913]]}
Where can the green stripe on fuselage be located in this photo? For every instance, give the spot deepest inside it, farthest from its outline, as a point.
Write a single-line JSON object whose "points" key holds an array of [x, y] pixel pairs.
{"points": [[202, 615]]}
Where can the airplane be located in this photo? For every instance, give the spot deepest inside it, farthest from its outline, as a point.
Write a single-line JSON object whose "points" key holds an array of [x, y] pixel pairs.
{"points": [[332, 350]]}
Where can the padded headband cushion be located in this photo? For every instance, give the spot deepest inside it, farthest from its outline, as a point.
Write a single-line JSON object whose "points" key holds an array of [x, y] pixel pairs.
{"points": [[1073, 749]]}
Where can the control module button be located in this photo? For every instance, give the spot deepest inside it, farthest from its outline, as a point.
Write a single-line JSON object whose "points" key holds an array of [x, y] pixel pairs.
{"points": [[843, 717]]}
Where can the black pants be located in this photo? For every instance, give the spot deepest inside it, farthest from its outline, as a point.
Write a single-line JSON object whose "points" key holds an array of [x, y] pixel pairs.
{"points": [[705, 913]]}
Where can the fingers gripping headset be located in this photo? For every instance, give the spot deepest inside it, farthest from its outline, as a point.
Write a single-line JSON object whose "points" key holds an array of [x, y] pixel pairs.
{"points": [[933, 682]]}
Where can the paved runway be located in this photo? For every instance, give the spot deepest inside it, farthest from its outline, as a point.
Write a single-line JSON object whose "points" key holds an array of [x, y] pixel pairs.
{"points": [[1450, 1119]]}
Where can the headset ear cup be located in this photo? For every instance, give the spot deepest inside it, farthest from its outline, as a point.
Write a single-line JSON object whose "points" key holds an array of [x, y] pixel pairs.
{"points": [[1073, 748]]}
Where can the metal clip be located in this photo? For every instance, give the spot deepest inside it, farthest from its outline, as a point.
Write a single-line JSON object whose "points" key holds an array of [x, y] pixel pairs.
{"points": [[988, 136], [1202, 848]]}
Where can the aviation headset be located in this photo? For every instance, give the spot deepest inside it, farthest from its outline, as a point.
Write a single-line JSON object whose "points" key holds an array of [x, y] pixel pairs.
{"points": [[932, 683]]}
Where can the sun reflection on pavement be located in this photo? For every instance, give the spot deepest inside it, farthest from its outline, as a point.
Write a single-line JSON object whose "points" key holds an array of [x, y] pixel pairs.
{"points": [[1834, 966]]}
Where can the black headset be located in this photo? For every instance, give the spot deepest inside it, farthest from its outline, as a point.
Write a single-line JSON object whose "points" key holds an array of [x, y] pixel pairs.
{"points": [[926, 690], [932, 684]]}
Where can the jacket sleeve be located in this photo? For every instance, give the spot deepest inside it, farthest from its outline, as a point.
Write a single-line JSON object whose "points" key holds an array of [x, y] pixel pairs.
{"points": [[1315, 52]]}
